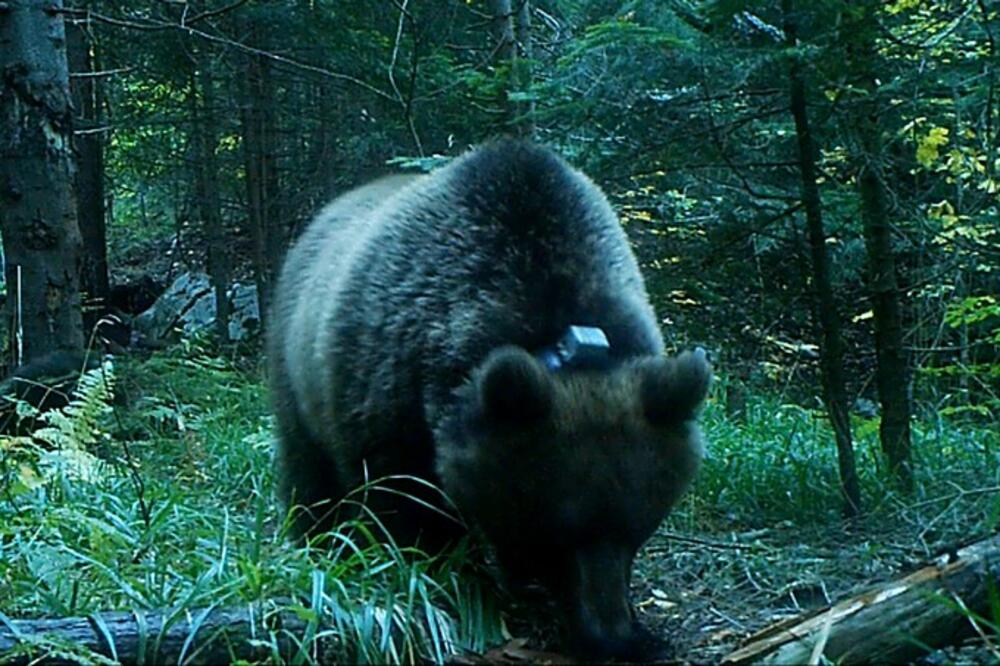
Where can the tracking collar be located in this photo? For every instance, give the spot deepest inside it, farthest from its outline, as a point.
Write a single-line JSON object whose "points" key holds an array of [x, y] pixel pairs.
{"points": [[579, 346]]}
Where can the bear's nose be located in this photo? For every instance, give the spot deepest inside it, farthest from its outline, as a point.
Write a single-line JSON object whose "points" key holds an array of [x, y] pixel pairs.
{"points": [[599, 617], [637, 645], [602, 647]]}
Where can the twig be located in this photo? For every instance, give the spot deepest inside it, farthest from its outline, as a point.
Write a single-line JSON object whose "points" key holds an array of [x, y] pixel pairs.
{"points": [[821, 642], [975, 624], [154, 25], [960, 494], [731, 620], [103, 73], [702, 542], [211, 13], [133, 467], [93, 130]]}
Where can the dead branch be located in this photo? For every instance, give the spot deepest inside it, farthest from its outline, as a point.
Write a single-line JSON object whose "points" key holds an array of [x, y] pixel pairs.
{"points": [[205, 636], [933, 607]]}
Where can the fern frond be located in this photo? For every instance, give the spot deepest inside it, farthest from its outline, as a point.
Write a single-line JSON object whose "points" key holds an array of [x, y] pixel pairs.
{"points": [[72, 430]]}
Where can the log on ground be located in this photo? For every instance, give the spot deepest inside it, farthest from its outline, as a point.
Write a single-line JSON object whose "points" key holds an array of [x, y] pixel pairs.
{"points": [[892, 623], [195, 636]]}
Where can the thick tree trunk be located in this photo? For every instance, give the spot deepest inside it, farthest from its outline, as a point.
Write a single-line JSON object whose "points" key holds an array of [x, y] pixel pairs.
{"points": [[825, 305], [207, 189], [89, 143], [892, 374], [40, 234], [893, 623]]}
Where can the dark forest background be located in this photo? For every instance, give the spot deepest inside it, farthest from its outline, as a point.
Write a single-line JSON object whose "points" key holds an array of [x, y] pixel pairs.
{"points": [[811, 188]]}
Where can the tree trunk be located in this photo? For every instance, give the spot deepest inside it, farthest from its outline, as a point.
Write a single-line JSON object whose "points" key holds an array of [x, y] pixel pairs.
{"points": [[89, 143], [207, 190], [892, 373], [321, 152], [502, 29], [274, 229], [893, 623], [825, 305], [40, 234], [523, 71], [893, 378], [510, 30], [504, 58], [261, 175]]}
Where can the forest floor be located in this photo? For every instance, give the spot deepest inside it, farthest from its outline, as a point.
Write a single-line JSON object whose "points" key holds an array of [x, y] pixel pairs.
{"points": [[185, 518], [705, 589], [706, 593]]}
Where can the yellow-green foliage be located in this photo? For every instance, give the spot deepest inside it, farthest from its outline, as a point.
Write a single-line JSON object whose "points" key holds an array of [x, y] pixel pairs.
{"points": [[65, 440]]}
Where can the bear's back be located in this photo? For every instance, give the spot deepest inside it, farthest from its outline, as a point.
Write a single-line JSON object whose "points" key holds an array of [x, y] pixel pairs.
{"points": [[399, 296], [310, 288]]}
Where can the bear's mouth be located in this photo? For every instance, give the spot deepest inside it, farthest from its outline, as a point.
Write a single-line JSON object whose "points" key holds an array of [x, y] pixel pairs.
{"points": [[594, 590]]}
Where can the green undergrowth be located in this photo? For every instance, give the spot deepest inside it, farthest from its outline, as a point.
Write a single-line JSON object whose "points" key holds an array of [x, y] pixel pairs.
{"points": [[778, 464], [178, 514], [183, 518]]}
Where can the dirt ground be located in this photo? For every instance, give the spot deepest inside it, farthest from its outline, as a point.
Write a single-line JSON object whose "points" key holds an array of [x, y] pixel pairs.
{"points": [[705, 594]]}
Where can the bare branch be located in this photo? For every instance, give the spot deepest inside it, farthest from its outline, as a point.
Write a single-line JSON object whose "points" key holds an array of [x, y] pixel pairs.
{"points": [[100, 74], [153, 25]]}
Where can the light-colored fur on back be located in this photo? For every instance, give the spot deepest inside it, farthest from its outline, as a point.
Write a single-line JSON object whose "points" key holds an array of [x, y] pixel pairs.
{"points": [[399, 290], [317, 270]]}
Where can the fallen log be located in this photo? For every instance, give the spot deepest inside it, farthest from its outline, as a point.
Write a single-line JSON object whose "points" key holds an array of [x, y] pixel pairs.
{"points": [[892, 623], [196, 636]]}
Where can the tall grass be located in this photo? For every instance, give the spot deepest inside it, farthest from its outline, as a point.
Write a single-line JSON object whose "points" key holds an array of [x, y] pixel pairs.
{"points": [[779, 463], [184, 517], [203, 529]]}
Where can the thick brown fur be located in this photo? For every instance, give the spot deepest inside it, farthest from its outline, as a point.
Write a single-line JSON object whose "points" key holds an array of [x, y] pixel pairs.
{"points": [[403, 342]]}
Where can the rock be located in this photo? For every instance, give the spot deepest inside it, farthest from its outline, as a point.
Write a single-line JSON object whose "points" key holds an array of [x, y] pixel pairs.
{"points": [[865, 408], [244, 320], [188, 307]]}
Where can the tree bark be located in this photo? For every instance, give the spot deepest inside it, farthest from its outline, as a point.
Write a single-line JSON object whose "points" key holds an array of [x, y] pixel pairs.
{"points": [[893, 378], [505, 58], [259, 145], [523, 70], [510, 30], [207, 191], [89, 143], [40, 234], [888, 624], [892, 373], [502, 29], [825, 305]]}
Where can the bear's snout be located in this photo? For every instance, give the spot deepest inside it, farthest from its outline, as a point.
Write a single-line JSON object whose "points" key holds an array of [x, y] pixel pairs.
{"points": [[599, 620]]}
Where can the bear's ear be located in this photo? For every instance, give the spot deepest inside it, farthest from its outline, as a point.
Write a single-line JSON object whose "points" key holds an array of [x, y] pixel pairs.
{"points": [[513, 387], [671, 390]]}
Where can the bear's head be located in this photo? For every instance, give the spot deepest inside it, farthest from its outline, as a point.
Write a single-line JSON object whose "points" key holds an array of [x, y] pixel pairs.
{"points": [[568, 473]]}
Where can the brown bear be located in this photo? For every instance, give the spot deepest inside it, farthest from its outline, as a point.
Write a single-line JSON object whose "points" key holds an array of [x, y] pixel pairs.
{"points": [[485, 328]]}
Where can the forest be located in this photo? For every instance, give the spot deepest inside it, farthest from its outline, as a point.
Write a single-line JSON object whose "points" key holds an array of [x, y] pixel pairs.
{"points": [[811, 191]]}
